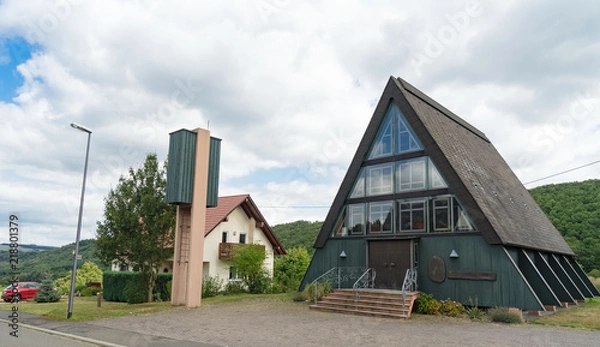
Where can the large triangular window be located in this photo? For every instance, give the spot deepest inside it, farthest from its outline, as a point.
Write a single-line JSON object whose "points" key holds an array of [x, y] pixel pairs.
{"points": [[395, 136], [406, 140]]}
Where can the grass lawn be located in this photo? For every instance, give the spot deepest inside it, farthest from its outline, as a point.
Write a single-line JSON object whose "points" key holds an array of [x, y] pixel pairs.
{"points": [[85, 308], [586, 316]]}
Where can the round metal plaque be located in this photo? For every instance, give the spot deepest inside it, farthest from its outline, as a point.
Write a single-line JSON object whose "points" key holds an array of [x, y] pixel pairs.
{"points": [[437, 269]]}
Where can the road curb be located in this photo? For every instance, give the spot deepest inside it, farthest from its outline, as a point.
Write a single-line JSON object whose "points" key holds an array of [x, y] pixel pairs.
{"points": [[74, 337]]}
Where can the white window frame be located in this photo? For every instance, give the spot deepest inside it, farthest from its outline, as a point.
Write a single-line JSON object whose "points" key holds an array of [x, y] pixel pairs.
{"points": [[378, 181]]}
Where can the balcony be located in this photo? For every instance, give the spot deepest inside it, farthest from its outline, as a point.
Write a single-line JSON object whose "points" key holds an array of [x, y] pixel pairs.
{"points": [[227, 250]]}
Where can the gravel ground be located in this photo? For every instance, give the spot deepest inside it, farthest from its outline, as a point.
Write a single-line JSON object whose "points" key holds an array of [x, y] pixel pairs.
{"points": [[264, 322]]}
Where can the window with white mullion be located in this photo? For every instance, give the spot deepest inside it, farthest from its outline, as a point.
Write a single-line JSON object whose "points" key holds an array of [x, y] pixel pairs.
{"points": [[381, 215], [356, 219], [412, 215], [442, 218], [380, 179], [411, 175]]}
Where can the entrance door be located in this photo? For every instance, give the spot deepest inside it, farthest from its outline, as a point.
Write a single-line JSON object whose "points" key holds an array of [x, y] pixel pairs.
{"points": [[390, 259]]}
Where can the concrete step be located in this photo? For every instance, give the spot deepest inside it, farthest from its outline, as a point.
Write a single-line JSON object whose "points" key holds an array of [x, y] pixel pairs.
{"points": [[358, 312], [371, 302]]}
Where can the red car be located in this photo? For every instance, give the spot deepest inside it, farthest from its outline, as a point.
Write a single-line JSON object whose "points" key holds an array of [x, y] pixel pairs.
{"points": [[27, 290]]}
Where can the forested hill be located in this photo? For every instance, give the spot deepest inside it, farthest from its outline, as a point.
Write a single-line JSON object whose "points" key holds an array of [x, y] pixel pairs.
{"points": [[574, 209], [55, 263], [298, 234]]}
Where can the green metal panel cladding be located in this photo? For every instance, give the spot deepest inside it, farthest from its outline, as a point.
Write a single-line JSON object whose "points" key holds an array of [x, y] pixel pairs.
{"points": [[214, 160], [181, 168]]}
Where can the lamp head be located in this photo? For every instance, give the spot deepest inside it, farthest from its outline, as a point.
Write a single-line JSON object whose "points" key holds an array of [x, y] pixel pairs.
{"points": [[81, 127]]}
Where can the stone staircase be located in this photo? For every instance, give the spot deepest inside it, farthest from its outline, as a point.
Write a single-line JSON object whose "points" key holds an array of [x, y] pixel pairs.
{"points": [[371, 302]]}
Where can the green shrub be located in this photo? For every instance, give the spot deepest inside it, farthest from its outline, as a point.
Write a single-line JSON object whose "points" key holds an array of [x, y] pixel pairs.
{"points": [[162, 288], [135, 289], [503, 315], [259, 283], [169, 288], [298, 297], [451, 308], [91, 291], [594, 273], [427, 304], [47, 292], [211, 286], [473, 311], [235, 287], [323, 288], [79, 288]]}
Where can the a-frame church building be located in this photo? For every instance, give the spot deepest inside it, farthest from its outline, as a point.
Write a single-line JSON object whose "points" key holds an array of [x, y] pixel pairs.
{"points": [[428, 192]]}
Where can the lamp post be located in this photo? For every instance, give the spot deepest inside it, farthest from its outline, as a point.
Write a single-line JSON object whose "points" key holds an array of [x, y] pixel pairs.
{"points": [[74, 274]]}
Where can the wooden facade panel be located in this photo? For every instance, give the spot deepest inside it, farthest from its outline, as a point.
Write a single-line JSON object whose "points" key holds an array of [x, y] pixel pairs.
{"points": [[180, 167], [536, 280], [329, 256], [214, 164], [475, 255]]}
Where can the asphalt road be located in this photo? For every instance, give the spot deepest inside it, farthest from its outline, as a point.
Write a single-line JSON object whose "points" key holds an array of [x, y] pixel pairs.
{"points": [[33, 338]]}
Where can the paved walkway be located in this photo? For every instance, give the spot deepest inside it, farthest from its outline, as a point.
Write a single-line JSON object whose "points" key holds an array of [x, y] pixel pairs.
{"points": [[263, 322], [271, 323]]}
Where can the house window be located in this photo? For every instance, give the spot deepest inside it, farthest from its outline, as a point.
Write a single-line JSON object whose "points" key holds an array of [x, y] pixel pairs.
{"points": [[233, 274], [411, 174], [356, 219], [441, 214], [380, 179], [124, 267], [242, 238], [381, 215], [413, 215], [224, 237]]}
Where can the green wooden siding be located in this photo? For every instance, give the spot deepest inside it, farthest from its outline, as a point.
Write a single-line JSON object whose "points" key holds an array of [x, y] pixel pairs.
{"points": [[476, 255], [329, 257], [214, 160], [180, 168]]}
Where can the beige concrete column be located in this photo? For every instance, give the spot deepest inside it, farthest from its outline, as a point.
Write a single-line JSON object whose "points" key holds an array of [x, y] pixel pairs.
{"points": [[193, 295], [189, 232]]}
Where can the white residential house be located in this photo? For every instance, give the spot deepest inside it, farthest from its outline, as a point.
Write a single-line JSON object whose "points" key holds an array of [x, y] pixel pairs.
{"points": [[235, 220]]}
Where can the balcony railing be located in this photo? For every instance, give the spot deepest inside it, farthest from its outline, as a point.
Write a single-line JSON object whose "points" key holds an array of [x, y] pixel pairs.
{"points": [[227, 250]]}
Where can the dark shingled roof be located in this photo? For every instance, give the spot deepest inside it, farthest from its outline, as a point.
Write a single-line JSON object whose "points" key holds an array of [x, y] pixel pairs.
{"points": [[501, 207]]}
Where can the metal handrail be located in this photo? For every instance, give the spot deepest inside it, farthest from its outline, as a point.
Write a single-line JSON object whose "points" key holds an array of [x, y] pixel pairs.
{"points": [[409, 284], [369, 283], [339, 274], [315, 283]]}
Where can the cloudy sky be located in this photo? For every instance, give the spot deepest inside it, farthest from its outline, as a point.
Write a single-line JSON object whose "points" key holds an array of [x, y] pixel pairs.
{"points": [[289, 86]]}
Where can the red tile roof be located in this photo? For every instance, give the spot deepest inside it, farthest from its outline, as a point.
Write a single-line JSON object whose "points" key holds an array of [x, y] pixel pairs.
{"points": [[225, 205]]}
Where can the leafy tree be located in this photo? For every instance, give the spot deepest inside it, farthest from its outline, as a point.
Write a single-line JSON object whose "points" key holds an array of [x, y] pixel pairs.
{"points": [[290, 268], [47, 292], [89, 272], [248, 261], [137, 226]]}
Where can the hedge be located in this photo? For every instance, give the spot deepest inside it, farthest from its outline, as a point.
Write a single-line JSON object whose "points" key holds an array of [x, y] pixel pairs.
{"points": [[130, 287]]}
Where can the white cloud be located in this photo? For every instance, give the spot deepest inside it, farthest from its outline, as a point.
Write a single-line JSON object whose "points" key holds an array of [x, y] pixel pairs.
{"points": [[288, 86]]}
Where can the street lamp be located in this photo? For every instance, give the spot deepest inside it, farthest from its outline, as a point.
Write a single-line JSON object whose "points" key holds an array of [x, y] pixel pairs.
{"points": [[74, 274]]}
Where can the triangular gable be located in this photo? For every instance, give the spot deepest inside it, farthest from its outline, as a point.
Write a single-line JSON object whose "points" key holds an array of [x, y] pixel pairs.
{"points": [[226, 205], [468, 165]]}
